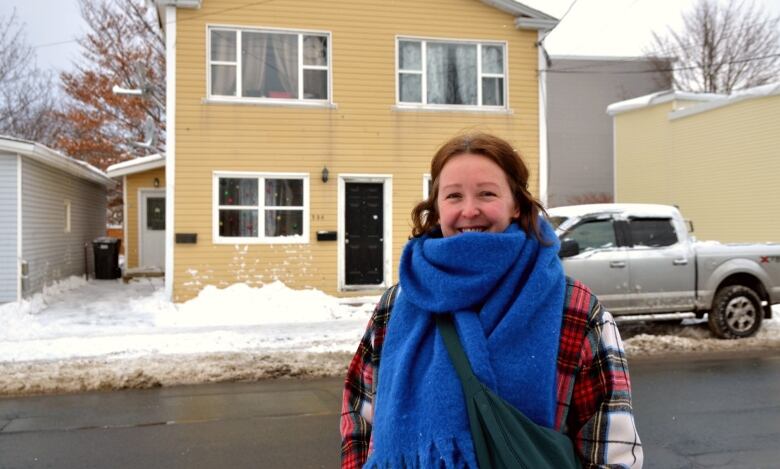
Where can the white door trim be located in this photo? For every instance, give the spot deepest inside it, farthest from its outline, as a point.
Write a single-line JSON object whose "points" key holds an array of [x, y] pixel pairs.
{"points": [[141, 219], [387, 213]]}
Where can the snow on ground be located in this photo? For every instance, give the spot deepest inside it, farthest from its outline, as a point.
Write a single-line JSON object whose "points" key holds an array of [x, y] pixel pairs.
{"points": [[105, 334]]}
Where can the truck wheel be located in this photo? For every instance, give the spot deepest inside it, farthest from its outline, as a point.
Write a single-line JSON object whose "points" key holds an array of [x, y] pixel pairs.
{"points": [[736, 312]]}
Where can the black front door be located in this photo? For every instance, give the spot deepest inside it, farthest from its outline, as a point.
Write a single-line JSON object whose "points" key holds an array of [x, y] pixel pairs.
{"points": [[363, 236]]}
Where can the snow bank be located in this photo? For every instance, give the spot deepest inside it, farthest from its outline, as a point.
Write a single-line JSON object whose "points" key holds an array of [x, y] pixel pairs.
{"points": [[104, 334], [240, 304]]}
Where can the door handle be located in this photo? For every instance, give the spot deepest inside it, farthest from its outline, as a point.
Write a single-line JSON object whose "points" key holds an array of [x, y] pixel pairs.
{"points": [[682, 261], [617, 264]]}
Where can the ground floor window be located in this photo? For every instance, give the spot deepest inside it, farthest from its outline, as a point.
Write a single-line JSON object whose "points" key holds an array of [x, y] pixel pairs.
{"points": [[261, 207]]}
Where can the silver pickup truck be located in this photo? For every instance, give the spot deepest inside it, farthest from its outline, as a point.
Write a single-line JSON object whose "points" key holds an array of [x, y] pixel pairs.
{"points": [[640, 259]]}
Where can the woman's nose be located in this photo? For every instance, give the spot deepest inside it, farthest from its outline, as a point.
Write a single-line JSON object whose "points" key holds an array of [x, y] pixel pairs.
{"points": [[470, 209]]}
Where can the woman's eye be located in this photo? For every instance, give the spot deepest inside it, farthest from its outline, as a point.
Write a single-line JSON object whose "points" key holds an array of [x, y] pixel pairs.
{"points": [[488, 194], [454, 195]]}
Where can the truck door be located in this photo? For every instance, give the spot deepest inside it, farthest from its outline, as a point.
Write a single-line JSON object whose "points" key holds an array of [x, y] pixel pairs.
{"points": [[662, 266], [601, 264]]}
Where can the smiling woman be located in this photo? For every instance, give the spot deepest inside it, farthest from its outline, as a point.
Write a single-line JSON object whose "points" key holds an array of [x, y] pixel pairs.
{"points": [[482, 258]]}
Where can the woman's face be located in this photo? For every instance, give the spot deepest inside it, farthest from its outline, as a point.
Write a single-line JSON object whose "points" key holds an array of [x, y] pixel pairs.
{"points": [[474, 195]]}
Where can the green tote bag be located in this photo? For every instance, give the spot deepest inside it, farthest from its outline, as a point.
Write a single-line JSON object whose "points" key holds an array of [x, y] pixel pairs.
{"points": [[503, 436]]}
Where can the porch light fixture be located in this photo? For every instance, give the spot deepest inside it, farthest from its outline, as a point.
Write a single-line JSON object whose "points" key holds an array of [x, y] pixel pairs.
{"points": [[156, 182], [325, 174]]}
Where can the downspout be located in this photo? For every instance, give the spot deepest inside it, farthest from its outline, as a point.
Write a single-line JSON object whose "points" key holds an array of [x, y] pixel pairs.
{"points": [[125, 238], [543, 149], [170, 144], [614, 160], [19, 260]]}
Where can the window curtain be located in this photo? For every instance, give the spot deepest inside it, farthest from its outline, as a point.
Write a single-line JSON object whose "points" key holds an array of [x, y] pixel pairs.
{"points": [[285, 47], [253, 56], [452, 73]]}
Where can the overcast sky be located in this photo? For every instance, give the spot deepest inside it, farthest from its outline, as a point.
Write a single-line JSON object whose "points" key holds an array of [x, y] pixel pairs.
{"points": [[592, 27]]}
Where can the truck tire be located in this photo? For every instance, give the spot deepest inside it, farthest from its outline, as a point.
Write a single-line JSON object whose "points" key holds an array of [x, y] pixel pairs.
{"points": [[736, 312]]}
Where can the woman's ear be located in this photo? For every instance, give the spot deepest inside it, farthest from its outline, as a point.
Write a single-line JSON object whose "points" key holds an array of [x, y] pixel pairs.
{"points": [[516, 212]]}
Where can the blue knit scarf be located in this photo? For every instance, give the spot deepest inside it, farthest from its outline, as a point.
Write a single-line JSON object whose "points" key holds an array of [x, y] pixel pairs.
{"points": [[506, 291]]}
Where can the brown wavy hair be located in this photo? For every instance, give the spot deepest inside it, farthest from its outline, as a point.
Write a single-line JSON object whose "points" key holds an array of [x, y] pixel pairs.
{"points": [[425, 215]]}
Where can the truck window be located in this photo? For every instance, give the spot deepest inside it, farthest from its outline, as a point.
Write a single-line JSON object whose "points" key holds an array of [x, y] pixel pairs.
{"points": [[595, 234], [652, 232]]}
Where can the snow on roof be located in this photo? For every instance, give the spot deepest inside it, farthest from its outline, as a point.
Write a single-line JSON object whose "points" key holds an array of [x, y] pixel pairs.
{"points": [[772, 89], [55, 159], [136, 165], [659, 97], [629, 209]]}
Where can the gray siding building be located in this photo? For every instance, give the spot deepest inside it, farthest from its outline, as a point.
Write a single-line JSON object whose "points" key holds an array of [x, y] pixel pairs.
{"points": [[51, 206], [579, 131]]}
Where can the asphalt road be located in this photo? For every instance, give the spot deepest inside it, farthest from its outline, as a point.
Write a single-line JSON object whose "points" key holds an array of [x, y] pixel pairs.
{"points": [[723, 411]]}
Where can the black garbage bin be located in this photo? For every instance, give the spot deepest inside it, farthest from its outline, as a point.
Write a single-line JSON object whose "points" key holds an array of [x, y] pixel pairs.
{"points": [[106, 252]]}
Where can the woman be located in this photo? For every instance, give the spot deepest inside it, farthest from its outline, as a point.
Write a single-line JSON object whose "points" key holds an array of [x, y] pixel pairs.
{"points": [[481, 251]]}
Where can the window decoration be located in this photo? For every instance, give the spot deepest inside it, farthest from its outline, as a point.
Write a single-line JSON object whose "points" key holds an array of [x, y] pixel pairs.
{"points": [[262, 207]]}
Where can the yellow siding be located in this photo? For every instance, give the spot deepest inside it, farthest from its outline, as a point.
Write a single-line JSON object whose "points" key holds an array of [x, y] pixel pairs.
{"points": [[642, 147], [720, 166], [362, 134], [144, 180]]}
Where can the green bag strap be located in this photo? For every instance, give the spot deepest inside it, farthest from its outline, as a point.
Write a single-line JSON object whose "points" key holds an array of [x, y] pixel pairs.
{"points": [[472, 387], [469, 381]]}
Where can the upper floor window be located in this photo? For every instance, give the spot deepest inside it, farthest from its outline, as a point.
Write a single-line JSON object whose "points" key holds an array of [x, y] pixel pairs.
{"points": [[268, 65], [441, 73]]}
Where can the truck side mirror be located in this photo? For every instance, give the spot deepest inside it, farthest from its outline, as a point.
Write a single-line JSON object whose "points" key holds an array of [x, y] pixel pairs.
{"points": [[569, 247]]}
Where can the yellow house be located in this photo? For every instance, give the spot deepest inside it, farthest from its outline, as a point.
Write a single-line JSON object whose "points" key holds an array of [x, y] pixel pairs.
{"points": [[716, 157], [300, 132]]}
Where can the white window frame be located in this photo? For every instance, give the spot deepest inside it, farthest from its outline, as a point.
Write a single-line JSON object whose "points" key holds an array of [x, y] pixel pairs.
{"points": [[67, 216], [480, 75], [237, 98], [261, 208]]}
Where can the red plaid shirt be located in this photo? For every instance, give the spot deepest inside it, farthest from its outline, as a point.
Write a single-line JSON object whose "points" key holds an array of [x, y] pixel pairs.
{"points": [[593, 386]]}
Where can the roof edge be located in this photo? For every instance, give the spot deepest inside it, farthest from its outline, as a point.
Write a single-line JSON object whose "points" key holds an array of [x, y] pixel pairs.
{"points": [[603, 58], [516, 8], [136, 165], [55, 159], [535, 23], [162, 4], [763, 91], [180, 3], [659, 97]]}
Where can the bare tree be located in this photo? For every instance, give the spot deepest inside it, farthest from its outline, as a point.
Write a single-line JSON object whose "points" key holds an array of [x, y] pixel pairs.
{"points": [[27, 94], [124, 47], [721, 47]]}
